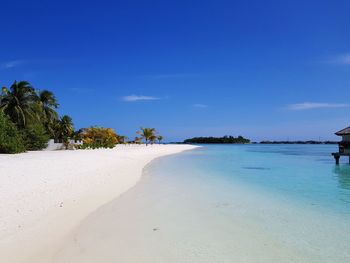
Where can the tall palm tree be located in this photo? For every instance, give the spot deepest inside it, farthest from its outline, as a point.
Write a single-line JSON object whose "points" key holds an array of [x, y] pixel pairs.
{"points": [[66, 126], [18, 102], [48, 103], [147, 134]]}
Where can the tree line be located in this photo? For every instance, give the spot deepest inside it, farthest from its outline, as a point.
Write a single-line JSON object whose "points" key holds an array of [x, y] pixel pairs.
{"points": [[29, 118], [222, 140]]}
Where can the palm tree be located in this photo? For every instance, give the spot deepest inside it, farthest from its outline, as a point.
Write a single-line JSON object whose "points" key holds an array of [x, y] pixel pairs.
{"points": [[18, 102], [160, 138], [48, 103], [147, 134], [64, 129], [66, 125]]}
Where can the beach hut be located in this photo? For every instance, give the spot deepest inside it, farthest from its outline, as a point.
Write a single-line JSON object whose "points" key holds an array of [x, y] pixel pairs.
{"points": [[344, 144]]}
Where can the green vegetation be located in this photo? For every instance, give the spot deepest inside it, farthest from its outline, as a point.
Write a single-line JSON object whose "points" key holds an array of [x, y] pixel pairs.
{"points": [[28, 119], [19, 103], [11, 140], [48, 103], [35, 137], [64, 130], [33, 114], [148, 134], [160, 139], [221, 140]]}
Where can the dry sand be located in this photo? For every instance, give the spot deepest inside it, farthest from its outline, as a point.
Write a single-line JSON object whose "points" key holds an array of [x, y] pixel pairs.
{"points": [[45, 195]]}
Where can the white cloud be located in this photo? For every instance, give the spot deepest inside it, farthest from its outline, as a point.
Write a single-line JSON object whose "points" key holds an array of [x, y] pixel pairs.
{"points": [[342, 59], [198, 105], [37, 62], [315, 105], [132, 98], [12, 64]]}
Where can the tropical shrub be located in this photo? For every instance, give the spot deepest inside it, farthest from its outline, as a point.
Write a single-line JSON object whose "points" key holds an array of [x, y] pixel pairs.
{"points": [[35, 137], [99, 137], [11, 140]]}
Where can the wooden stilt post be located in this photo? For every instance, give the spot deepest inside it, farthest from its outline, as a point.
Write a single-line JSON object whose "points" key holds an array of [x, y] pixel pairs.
{"points": [[337, 157]]}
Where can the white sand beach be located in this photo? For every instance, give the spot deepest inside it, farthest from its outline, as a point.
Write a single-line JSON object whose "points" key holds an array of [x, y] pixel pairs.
{"points": [[44, 195]]}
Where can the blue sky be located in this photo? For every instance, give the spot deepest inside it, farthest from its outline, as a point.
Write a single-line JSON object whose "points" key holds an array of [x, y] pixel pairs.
{"points": [[262, 69]]}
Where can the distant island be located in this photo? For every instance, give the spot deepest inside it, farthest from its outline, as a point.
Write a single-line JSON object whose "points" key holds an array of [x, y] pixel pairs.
{"points": [[221, 140], [241, 140]]}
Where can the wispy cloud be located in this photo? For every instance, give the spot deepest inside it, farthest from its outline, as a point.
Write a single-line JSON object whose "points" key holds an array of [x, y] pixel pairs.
{"points": [[315, 105], [35, 62], [343, 59], [133, 98], [198, 105], [12, 64]]}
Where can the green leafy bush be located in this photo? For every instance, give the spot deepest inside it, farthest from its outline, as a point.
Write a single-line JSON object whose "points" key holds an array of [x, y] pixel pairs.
{"points": [[35, 137], [11, 140]]}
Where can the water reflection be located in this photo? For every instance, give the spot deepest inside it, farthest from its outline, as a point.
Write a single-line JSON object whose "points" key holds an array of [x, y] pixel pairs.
{"points": [[343, 175]]}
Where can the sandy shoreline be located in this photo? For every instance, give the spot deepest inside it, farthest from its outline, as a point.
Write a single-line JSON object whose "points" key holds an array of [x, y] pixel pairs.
{"points": [[44, 195]]}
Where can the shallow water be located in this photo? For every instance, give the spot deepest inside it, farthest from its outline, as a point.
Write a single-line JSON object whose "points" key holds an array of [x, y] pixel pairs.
{"points": [[229, 203]]}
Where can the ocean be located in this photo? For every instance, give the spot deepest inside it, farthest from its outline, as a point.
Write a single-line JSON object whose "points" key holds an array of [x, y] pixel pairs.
{"points": [[290, 200], [234, 203]]}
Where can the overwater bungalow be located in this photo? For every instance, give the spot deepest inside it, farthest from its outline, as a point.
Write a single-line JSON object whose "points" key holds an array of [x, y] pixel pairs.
{"points": [[344, 144]]}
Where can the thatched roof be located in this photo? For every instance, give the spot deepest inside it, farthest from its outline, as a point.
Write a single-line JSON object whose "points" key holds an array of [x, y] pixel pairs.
{"points": [[345, 131]]}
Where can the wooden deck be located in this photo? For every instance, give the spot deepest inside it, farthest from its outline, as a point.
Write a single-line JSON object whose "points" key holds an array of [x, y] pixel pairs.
{"points": [[338, 155]]}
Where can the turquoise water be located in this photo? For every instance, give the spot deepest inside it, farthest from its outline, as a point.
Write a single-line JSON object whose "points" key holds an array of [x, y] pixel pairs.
{"points": [[306, 174], [228, 203], [289, 201]]}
